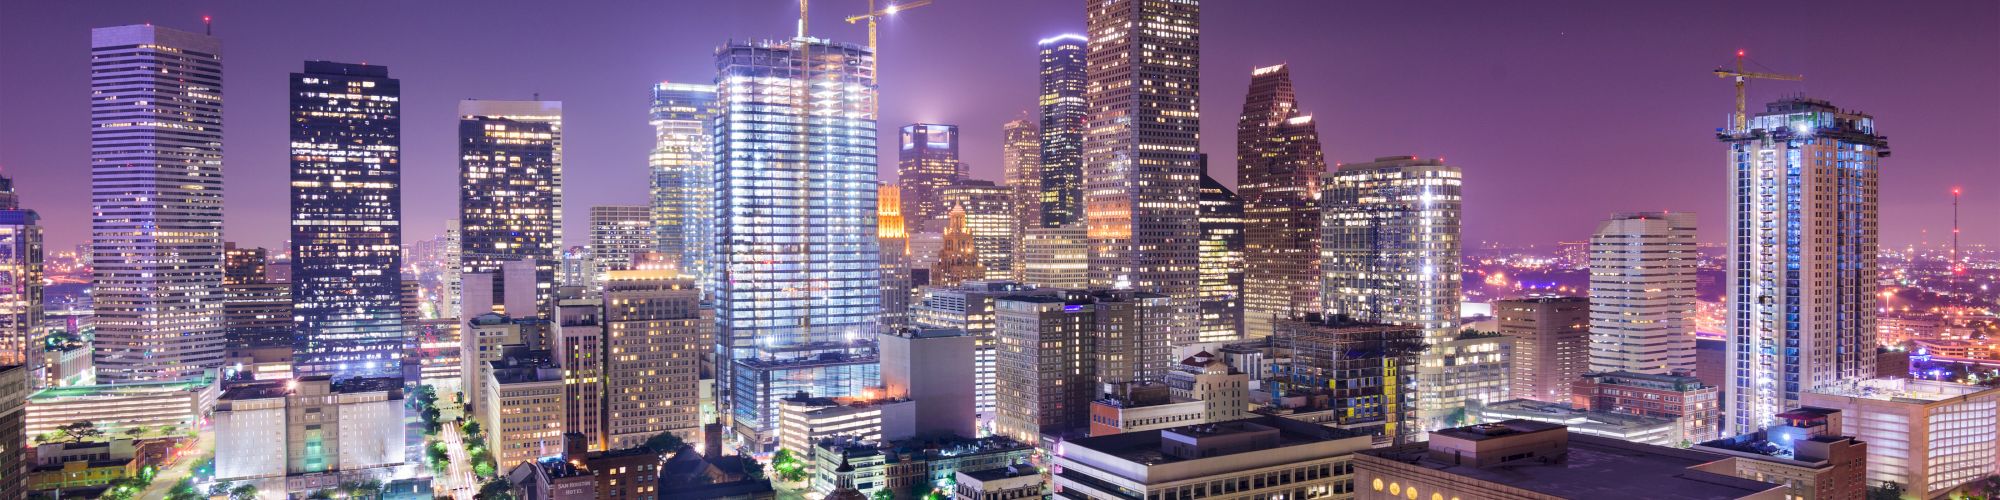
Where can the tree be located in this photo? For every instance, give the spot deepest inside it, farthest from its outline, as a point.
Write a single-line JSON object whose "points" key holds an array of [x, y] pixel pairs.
{"points": [[788, 466], [665, 442], [243, 492], [1889, 490], [496, 490], [82, 431], [883, 494], [471, 429], [184, 490]]}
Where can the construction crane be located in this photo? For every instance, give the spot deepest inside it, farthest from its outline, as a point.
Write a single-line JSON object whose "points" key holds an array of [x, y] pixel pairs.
{"points": [[1742, 120], [873, 16]]}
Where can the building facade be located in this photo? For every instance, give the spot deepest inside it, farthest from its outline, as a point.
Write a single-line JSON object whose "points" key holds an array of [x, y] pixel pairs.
{"points": [[510, 192], [1222, 234], [21, 329], [1061, 112], [1695, 405], [619, 234], [1278, 169], [682, 192], [1551, 344], [1367, 370], [1259, 457], [1056, 257], [156, 190], [1539, 460], [1021, 162], [1642, 293], [893, 240], [1927, 436], [652, 358], [990, 220], [926, 165]]}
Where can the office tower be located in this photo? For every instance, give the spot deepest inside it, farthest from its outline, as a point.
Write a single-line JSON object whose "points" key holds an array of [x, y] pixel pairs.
{"points": [[14, 387], [894, 242], [934, 369], [243, 265], [652, 362], [453, 252], [347, 234], [21, 298], [1054, 354], [1142, 174], [926, 165], [510, 190], [1221, 262], [1056, 257], [1389, 250], [968, 307], [156, 192], [1366, 371], [576, 269], [1021, 159], [1063, 107], [257, 314], [1551, 344], [958, 261], [798, 273], [990, 220], [1278, 166], [682, 192], [1802, 272], [578, 346], [1642, 293], [618, 235]]}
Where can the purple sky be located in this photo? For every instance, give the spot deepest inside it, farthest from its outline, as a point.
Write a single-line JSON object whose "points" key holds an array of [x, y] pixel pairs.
{"points": [[1558, 111]]}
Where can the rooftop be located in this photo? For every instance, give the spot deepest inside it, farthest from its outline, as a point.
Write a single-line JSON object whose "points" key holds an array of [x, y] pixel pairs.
{"points": [[1543, 412], [1902, 390], [1594, 467], [1143, 447]]}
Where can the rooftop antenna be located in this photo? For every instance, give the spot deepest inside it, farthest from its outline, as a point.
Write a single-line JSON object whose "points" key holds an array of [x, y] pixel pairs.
{"points": [[207, 26], [1957, 268]]}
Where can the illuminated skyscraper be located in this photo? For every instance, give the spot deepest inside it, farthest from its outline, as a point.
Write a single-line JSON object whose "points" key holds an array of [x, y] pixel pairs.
{"points": [[21, 297], [798, 273], [1063, 108], [989, 219], [156, 195], [1142, 173], [1021, 159], [1221, 262], [510, 192], [1389, 250], [958, 262], [1278, 165], [1802, 270], [347, 235], [1642, 293], [894, 242], [618, 234], [926, 165], [683, 190]]}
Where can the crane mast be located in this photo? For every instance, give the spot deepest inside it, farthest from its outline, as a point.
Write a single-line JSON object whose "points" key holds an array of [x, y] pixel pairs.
{"points": [[1741, 119]]}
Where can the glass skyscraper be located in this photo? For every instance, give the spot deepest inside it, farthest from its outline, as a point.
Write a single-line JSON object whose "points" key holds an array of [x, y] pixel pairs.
{"points": [[1278, 165], [683, 189], [1221, 262], [156, 192], [798, 272], [1802, 255], [1062, 110], [347, 237], [20, 285], [510, 191], [926, 165]]}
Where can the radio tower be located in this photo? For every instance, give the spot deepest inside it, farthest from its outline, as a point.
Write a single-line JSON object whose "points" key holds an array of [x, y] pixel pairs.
{"points": [[1957, 268]]}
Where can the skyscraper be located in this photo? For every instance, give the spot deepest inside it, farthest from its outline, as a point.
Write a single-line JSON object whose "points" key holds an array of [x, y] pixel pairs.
{"points": [[1142, 173], [618, 234], [1278, 165], [1221, 262], [20, 286], [156, 196], [510, 187], [798, 273], [1056, 353], [347, 235], [1642, 293], [894, 242], [652, 362], [959, 261], [1021, 158], [1551, 344], [1062, 109], [682, 190], [990, 220], [1368, 371], [926, 165], [1389, 250], [1802, 271]]}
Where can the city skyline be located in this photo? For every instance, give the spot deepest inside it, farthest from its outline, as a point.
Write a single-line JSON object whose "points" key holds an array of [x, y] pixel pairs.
{"points": [[1546, 69]]}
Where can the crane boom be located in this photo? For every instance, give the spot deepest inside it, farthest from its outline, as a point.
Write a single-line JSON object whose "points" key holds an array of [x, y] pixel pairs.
{"points": [[1741, 119]]}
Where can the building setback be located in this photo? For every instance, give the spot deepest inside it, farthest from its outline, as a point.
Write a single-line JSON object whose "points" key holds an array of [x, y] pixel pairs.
{"points": [[510, 192], [1642, 293], [1278, 168], [156, 195], [1802, 272], [347, 234]]}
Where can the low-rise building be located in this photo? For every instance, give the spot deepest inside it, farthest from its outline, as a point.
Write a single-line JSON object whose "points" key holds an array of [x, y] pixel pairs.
{"points": [[331, 432], [1802, 454], [909, 468], [1018, 481], [1623, 427], [155, 407], [1534, 460], [804, 420], [1259, 457], [552, 478], [1696, 406], [1928, 436], [523, 408], [1199, 390]]}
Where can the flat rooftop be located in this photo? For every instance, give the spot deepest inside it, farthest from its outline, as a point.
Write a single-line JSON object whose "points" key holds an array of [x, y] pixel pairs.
{"points": [[1143, 447], [1598, 467], [1902, 390]]}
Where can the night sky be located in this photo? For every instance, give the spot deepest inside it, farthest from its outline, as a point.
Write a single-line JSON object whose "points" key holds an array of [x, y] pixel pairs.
{"points": [[1558, 111]]}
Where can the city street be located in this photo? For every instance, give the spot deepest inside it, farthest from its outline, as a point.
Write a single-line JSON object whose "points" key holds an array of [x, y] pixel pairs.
{"points": [[165, 479], [457, 480]]}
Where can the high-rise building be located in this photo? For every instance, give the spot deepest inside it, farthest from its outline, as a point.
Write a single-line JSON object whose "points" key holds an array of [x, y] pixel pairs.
{"points": [[1142, 171], [577, 344], [1055, 354], [453, 250], [1551, 344], [1021, 159], [1278, 168], [618, 235], [990, 220], [21, 298], [958, 261], [14, 389], [894, 242], [347, 234], [156, 192], [652, 363], [1063, 107], [1642, 293], [934, 369], [1802, 251], [510, 190], [1056, 257], [798, 271], [1221, 262], [244, 265], [682, 190], [926, 165], [968, 307], [1367, 371], [1389, 251]]}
